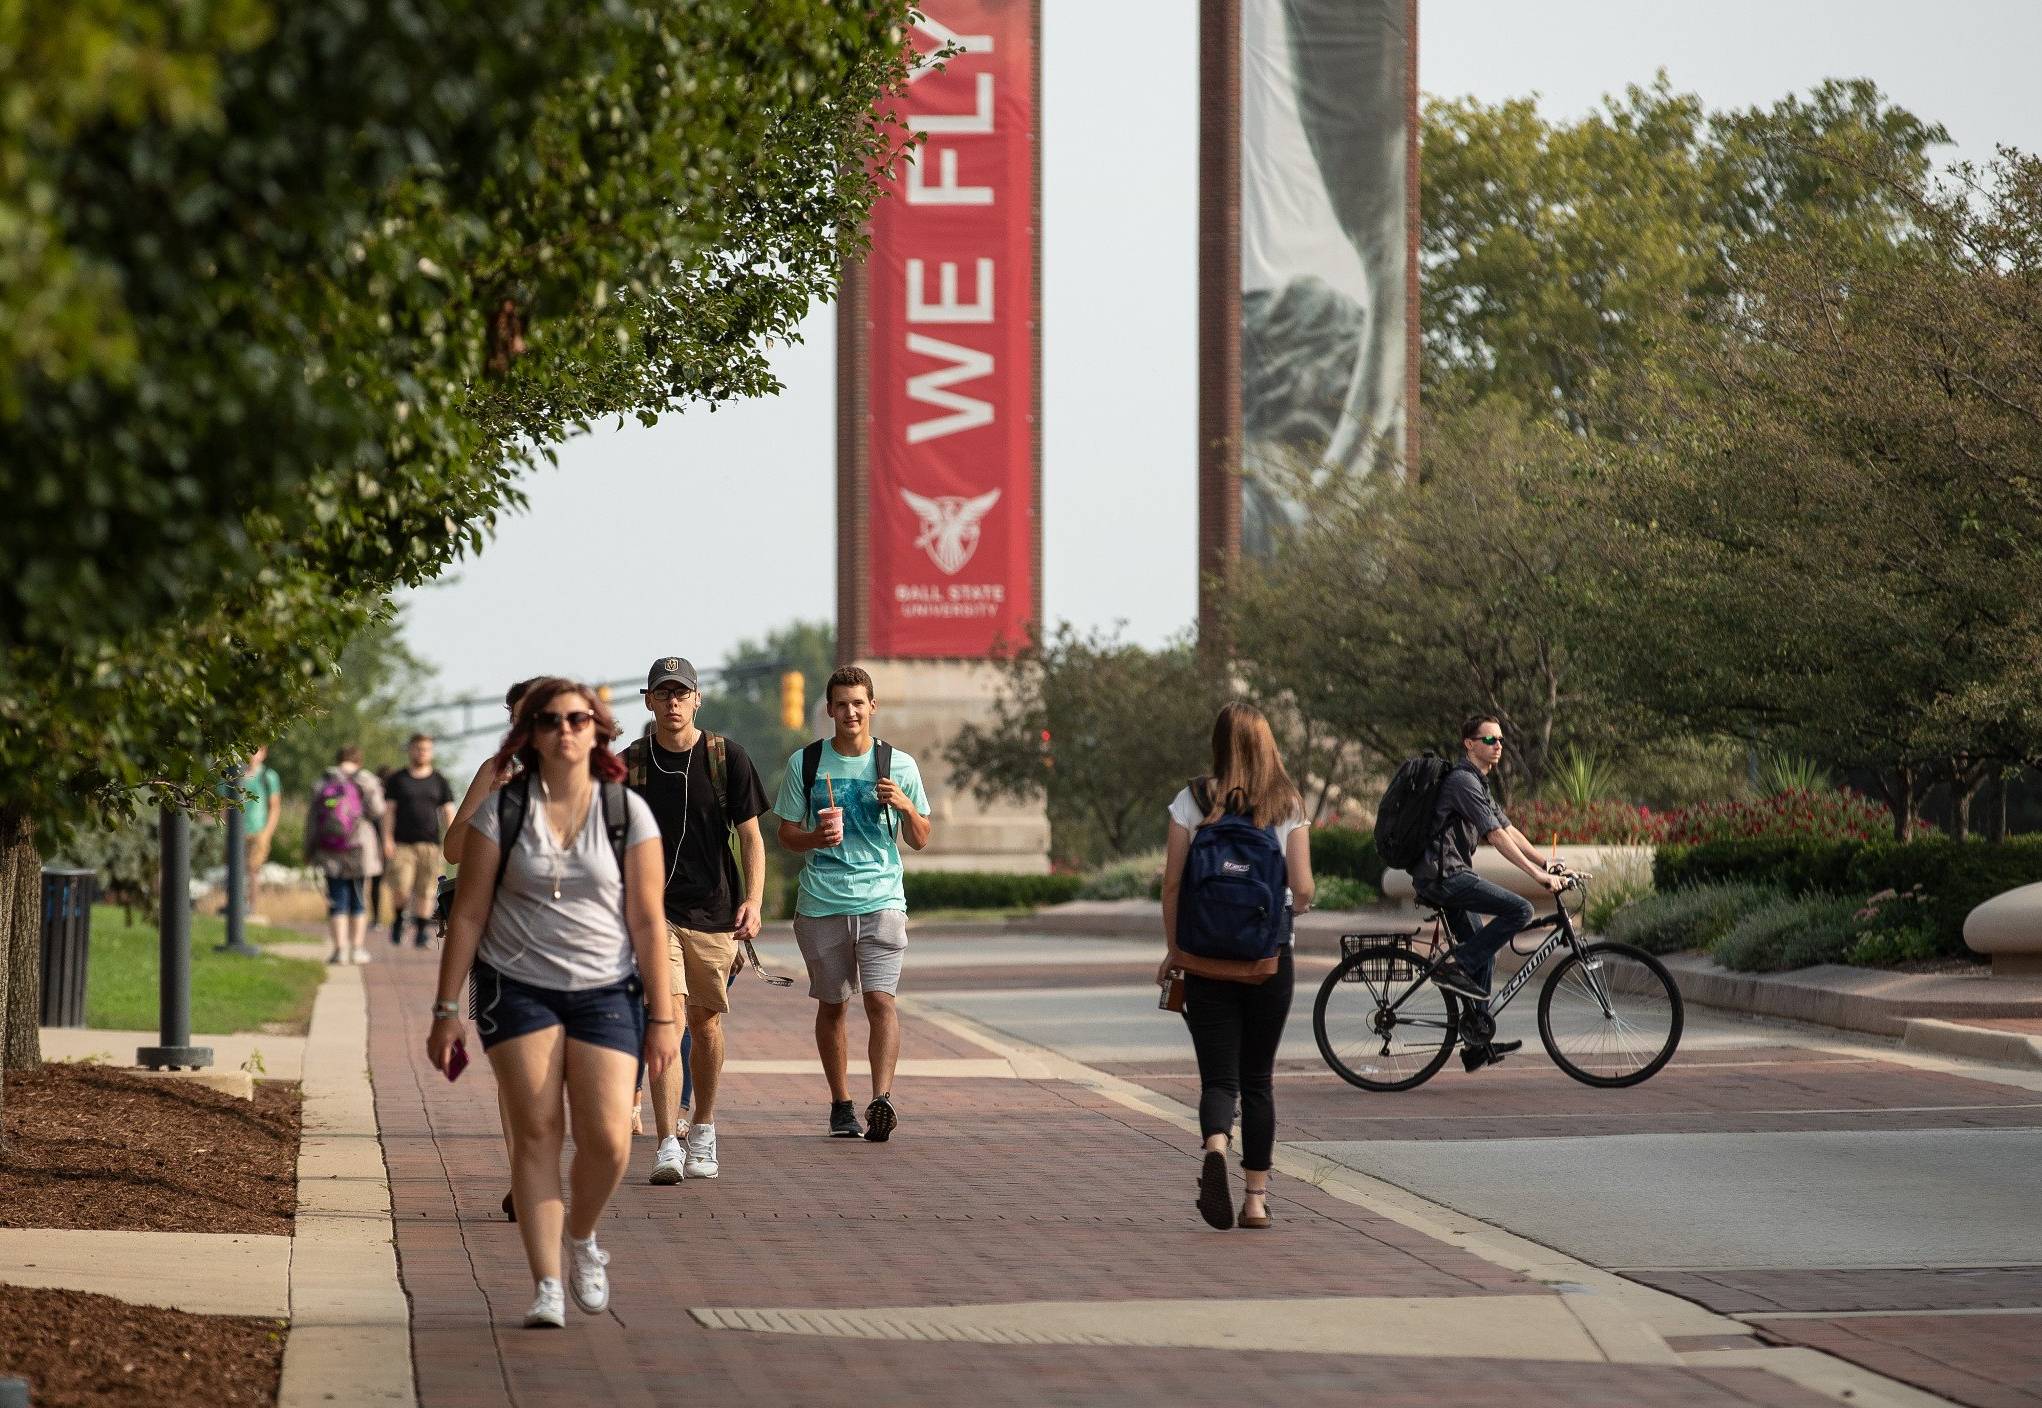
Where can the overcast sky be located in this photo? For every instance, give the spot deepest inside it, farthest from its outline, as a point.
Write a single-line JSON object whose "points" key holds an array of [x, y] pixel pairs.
{"points": [[710, 528]]}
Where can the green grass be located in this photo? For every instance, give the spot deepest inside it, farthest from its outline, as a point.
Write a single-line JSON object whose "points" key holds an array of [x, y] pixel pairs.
{"points": [[228, 993]]}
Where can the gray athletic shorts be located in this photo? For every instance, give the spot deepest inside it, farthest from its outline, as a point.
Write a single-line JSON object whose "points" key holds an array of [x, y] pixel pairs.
{"points": [[850, 953]]}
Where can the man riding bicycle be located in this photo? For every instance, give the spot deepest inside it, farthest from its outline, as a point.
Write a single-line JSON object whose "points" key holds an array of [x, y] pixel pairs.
{"points": [[1445, 876]]}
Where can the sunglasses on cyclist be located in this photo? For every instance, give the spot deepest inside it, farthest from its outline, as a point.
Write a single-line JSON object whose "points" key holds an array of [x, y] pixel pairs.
{"points": [[577, 720], [1492, 739]]}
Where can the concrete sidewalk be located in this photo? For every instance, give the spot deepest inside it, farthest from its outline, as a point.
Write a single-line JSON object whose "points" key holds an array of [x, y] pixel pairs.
{"points": [[1026, 1237]]}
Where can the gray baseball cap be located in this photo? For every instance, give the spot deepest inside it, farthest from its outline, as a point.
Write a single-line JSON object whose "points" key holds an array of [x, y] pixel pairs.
{"points": [[671, 669]]}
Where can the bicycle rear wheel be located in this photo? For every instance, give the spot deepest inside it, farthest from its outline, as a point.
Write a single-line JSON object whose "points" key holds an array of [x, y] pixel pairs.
{"points": [[1614, 1021], [1379, 1025]]}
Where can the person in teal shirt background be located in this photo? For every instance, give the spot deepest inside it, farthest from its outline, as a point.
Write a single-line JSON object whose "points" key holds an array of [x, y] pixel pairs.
{"points": [[259, 816], [850, 919]]}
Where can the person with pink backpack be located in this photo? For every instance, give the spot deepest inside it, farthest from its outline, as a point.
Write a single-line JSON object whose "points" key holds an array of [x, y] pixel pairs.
{"points": [[344, 839]]}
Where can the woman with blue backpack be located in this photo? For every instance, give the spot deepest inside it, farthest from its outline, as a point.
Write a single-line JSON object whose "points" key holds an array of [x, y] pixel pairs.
{"points": [[1237, 870]]}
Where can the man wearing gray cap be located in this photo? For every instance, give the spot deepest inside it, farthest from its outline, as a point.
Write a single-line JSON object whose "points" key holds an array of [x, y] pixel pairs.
{"points": [[701, 788]]}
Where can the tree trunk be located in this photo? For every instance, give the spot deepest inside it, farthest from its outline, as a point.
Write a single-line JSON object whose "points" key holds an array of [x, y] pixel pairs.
{"points": [[1996, 814], [1898, 785], [21, 910]]}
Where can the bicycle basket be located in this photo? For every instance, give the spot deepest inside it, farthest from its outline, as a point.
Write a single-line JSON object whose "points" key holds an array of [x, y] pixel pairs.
{"points": [[1398, 967]]}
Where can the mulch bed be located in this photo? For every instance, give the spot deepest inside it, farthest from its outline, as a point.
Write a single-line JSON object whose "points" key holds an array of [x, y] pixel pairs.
{"points": [[85, 1351], [93, 1147]]}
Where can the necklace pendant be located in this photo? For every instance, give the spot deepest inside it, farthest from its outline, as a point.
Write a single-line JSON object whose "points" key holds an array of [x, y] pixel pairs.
{"points": [[556, 892]]}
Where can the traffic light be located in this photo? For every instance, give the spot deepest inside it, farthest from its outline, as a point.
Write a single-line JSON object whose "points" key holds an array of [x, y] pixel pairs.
{"points": [[792, 705], [603, 693]]}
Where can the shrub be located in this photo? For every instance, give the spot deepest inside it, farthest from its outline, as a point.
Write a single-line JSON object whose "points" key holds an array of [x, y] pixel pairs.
{"points": [[1694, 917], [1131, 879], [1348, 851], [1954, 877], [1341, 892], [1789, 931], [986, 889]]}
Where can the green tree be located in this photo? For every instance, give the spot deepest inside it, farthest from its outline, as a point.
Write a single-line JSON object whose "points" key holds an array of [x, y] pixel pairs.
{"points": [[1104, 730], [1822, 543], [1400, 608], [369, 700], [1550, 247], [290, 292], [744, 702]]}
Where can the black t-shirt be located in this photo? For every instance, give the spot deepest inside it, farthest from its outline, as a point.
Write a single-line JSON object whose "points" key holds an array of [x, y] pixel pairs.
{"points": [[1464, 815], [694, 835], [418, 801]]}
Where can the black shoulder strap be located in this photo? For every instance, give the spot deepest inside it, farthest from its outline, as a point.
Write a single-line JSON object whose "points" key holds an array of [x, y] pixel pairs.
{"points": [[513, 800], [616, 821], [811, 764], [882, 757]]}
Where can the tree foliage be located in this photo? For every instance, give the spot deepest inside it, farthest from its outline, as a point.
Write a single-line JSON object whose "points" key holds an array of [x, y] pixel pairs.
{"points": [[1104, 730], [1822, 543], [1550, 248], [290, 291]]}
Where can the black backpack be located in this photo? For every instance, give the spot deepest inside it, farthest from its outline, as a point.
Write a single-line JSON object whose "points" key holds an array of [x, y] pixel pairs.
{"points": [[1404, 826], [514, 800], [811, 767]]}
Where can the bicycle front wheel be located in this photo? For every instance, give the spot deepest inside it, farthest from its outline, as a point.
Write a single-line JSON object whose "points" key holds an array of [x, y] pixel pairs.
{"points": [[1612, 1021], [1380, 1025]]}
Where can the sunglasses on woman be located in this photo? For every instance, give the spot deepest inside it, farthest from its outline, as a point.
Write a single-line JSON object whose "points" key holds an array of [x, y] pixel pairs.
{"points": [[578, 720]]}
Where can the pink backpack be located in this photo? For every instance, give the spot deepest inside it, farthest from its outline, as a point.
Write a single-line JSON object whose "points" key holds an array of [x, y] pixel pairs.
{"points": [[336, 812]]}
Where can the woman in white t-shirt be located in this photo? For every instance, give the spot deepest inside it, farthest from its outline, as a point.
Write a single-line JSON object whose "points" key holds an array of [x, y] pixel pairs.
{"points": [[1237, 1026], [561, 947]]}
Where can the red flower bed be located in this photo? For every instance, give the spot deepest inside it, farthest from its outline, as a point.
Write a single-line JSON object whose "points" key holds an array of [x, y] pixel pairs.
{"points": [[1818, 816]]}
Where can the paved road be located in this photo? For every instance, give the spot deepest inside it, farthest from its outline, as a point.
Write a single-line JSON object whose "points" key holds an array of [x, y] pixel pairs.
{"points": [[1793, 1176]]}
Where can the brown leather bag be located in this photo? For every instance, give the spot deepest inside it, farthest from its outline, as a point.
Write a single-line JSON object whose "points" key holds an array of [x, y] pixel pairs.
{"points": [[1227, 970]]}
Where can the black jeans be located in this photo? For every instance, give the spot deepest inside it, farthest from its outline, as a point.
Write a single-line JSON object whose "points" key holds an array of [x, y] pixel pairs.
{"points": [[1235, 1028]]}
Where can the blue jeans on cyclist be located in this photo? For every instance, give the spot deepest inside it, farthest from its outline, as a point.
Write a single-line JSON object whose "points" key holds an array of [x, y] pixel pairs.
{"points": [[1463, 895]]}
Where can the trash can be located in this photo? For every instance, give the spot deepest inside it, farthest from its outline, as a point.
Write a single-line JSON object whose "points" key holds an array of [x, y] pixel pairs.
{"points": [[67, 934]]}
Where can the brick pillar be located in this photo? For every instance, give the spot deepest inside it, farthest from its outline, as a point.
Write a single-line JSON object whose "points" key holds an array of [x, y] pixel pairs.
{"points": [[1219, 303]]}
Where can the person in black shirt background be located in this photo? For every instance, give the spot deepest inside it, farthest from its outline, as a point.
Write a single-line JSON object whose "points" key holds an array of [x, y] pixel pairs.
{"points": [[702, 789], [420, 806]]}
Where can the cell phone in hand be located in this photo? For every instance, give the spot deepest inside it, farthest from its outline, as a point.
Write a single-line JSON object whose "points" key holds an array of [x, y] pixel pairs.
{"points": [[457, 1060]]}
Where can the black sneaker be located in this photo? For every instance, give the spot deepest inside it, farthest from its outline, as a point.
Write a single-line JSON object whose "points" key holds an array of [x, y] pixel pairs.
{"points": [[844, 1121], [880, 1119], [1456, 979], [1473, 1058]]}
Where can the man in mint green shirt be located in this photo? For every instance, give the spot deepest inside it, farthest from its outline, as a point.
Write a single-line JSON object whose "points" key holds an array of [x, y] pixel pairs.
{"points": [[851, 919], [259, 814]]}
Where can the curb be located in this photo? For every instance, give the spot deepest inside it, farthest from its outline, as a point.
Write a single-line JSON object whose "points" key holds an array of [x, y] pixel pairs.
{"points": [[350, 1335], [1973, 1043]]}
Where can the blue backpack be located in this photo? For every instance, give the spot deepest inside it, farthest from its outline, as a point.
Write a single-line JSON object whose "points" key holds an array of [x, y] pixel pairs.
{"points": [[1230, 903]]}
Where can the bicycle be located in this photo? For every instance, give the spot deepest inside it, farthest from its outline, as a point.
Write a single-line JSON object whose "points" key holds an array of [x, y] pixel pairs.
{"points": [[1610, 1015]]}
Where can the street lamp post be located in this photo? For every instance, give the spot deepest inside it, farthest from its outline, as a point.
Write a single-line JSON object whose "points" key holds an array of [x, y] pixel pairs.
{"points": [[174, 978]]}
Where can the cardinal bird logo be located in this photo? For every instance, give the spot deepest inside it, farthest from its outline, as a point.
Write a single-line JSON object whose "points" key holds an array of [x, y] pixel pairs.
{"points": [[949, 526]]}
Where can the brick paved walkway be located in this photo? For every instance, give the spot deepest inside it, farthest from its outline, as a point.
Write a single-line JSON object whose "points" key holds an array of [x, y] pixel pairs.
{"points": [[994, 1191]]}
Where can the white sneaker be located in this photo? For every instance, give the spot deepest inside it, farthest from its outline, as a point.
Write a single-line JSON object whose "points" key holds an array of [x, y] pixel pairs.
{"points": [[549, 1306], [702, 1151], [587, 1276], [666, 1164], [361, 955]]}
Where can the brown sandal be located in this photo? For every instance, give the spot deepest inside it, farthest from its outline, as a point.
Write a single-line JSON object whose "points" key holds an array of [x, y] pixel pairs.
{"points": [[1255, 1222]]}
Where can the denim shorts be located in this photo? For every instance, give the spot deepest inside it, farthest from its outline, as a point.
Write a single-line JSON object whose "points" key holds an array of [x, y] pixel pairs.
{"points": [[343, 895], [612, 1016]]}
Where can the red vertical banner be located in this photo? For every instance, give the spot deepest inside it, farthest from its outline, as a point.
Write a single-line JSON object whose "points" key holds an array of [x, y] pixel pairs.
{"points": [[951, 348]]}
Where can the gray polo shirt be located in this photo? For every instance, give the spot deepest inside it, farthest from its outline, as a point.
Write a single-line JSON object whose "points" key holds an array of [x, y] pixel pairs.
{"points": [[579, 940], [1464, 814]]}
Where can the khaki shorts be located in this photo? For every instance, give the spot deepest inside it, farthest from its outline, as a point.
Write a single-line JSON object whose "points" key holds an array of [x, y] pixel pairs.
{"points": [[415, 875], [700, 963], [848, 954]]}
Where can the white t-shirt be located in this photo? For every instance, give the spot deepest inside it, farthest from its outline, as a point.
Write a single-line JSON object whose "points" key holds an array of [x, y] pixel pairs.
{"points": [[1184, 811], [579, 940]]}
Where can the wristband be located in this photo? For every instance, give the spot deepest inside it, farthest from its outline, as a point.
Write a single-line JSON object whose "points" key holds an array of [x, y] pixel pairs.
{"points": [[445, 1008]]}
